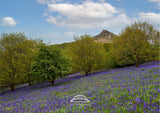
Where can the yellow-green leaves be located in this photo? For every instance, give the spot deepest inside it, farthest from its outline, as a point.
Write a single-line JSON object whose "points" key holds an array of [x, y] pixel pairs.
{"points": [[16, 54], [134, 44], [87, 55]]}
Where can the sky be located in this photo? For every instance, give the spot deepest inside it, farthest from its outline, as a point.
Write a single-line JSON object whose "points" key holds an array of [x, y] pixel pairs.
{"points": [[58, 21]]}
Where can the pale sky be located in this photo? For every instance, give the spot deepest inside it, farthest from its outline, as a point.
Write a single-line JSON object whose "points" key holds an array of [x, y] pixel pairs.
{"points": [[58, 21]]}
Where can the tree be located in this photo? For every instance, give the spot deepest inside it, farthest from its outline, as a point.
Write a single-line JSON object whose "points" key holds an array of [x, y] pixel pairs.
{"points": [[133, 45], [86, 54], [49, 64], [29, 49], [11, 71]]}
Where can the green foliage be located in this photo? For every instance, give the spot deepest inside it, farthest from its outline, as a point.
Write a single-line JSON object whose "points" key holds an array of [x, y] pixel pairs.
{"points": [[63, 45], [107, 46], [87, 55], [16, 55], [135, 45], [49, 64], [30, 48], [24, 61], [11, 58]]}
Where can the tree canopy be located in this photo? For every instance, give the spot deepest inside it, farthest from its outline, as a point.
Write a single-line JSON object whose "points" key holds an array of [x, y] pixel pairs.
{"points": [[49, 64], [11, 58], [133, 45], [16, 55], [86, 54]]}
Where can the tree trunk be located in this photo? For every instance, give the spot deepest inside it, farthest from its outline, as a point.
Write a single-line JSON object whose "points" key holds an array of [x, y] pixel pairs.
{"points": [[30, 83], [12, 87], [52, 82], [13, 83], [29, 80], [137, 62], [86, 73]]}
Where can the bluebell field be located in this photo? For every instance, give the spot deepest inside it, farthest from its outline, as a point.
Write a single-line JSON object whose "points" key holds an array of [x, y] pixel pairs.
{"points": [[122, 90]]}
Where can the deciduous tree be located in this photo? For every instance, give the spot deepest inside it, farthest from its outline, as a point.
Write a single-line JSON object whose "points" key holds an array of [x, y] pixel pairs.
{"points": [[87, 55], [11, 66], [50, 64], [133, 45], [29, 48]]}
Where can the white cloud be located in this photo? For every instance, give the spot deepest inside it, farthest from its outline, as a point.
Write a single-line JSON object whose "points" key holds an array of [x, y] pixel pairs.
{"points": [[152, 18], [8, 21], [51, 19], [87, 15], [85, 10], [93, 15], [57, 37], [157, 1], [101, 0], [47, 1], [42, 1]]}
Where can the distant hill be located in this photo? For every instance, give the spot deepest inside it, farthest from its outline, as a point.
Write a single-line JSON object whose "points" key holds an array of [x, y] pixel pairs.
{"points": [[104, 37]]}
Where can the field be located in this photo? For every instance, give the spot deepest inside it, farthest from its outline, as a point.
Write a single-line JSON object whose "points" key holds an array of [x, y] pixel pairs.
{"points": [[121, 90]]}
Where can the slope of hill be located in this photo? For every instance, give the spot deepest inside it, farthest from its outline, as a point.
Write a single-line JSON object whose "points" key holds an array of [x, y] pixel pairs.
{"points": [[124, 90], [104, 37]]}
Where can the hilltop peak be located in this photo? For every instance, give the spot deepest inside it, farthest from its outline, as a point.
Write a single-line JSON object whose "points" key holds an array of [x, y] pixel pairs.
{"points": [[105, 31], [105, 36]]}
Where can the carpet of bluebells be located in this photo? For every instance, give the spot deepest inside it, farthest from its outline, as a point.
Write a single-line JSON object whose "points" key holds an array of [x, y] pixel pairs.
{"points": [[121, 90]]}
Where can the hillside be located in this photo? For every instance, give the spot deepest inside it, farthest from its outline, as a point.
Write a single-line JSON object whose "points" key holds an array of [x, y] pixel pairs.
{"points": [[104, 37], [124, 90]]}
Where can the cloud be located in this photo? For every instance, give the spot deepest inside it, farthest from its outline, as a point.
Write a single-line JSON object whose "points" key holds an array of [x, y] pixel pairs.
{"points": [[85, 10], [8, 21], [57, 37], [153, 18], [47, 1], [101, 0], [87, 15], [157, 1], [42, 1], [91, 15]]}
